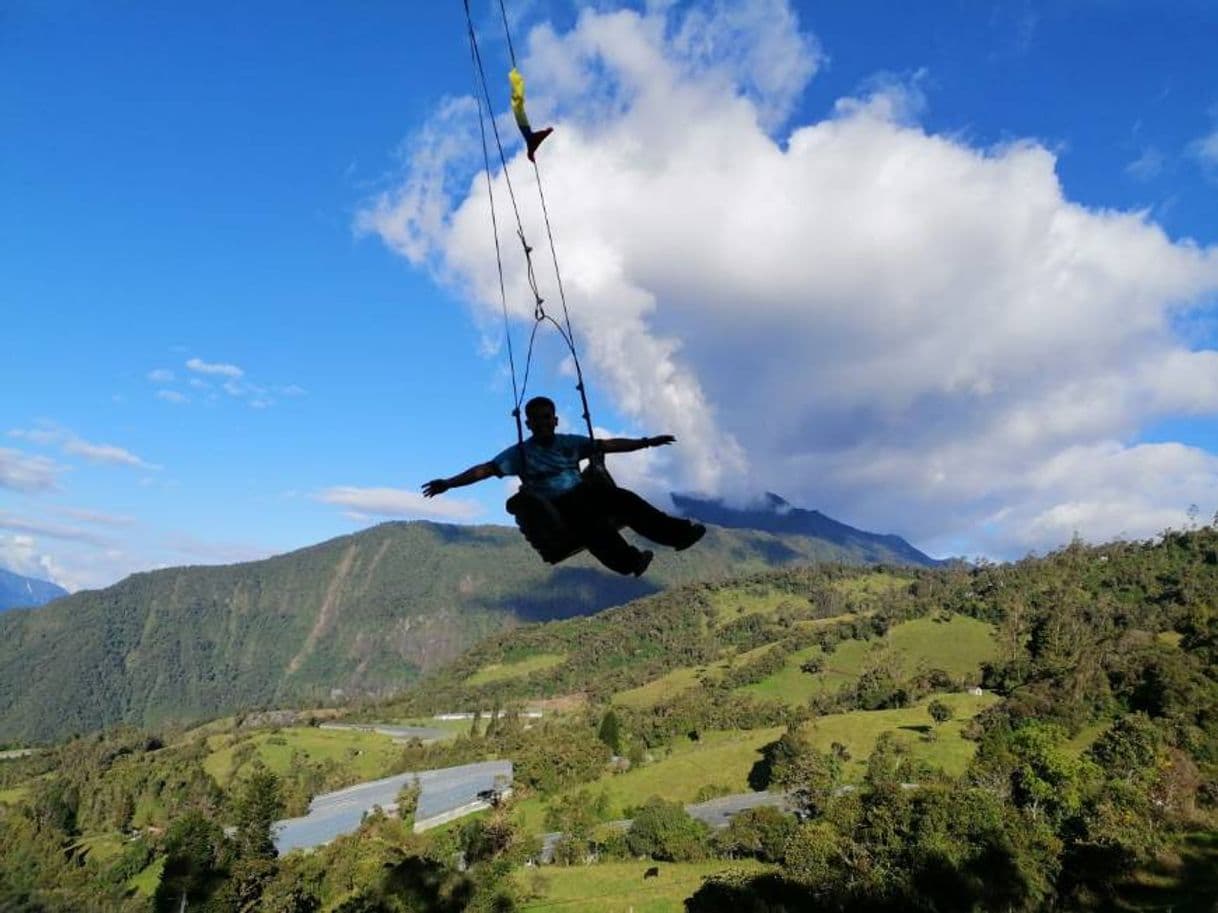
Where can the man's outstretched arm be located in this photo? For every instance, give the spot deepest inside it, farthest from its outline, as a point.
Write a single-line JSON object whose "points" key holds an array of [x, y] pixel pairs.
{"points": [[628, 444], [469, 477]]}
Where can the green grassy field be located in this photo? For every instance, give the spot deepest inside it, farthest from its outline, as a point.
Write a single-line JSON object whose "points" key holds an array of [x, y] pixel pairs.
{"points": [[958, 647], [101, 848], [870, 585], [666, 685], [365, 754], [618, 887], [498, 672], [721, 759], [860, 729], [13, 795], [146, 882]]}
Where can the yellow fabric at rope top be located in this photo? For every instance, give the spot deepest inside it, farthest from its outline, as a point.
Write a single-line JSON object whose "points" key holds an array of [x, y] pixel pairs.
{"points": [[532, 138], [517, 82]]}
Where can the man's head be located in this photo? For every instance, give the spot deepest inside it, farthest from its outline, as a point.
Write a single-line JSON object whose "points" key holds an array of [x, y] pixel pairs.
{"points": [[541, 417]]}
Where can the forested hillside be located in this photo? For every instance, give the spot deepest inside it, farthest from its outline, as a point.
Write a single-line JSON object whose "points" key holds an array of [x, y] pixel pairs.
{"points": [[1029, 737], [359, 615]]}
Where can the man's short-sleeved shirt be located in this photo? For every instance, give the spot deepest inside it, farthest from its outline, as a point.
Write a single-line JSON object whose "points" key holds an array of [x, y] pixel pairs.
{"points": [[548, 471]]}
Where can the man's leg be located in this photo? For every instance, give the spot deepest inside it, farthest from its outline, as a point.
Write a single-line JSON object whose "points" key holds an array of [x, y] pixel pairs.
{"points": [[581, 512], [646, 520]]}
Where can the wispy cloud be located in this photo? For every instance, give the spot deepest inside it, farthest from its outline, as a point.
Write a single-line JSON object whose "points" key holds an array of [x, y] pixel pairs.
{"points": [[49, 434], [95, 516], [214, 378], [18, 524], [27, 473], [1148, 165], [1205, 151], [364, 503], [219, 369]]}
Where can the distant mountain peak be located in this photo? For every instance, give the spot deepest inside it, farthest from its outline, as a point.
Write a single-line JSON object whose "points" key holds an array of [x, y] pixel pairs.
{"points": [[20, 592], [772, 513]]}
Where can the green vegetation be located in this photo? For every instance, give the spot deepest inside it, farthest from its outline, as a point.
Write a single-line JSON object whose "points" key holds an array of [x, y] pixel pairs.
{"points": [[185, 644], [498, 672], [612, 887], [718, 759], [859, 730], [1084, 777], [959, 646], [361, 755]]}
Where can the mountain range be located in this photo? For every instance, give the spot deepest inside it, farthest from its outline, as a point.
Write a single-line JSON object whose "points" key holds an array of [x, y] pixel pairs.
{"points": [[18, 592], [364, 614], [775, 515]]}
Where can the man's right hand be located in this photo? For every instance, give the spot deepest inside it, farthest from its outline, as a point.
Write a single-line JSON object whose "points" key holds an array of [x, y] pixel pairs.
{"points": [[435, 487]]}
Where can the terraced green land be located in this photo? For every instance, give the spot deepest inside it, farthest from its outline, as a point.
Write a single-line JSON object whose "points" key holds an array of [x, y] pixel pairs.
{"points": [[498, 672], [958, 647], [721, 759], [617, 887], [365, 754], [859, 730]]}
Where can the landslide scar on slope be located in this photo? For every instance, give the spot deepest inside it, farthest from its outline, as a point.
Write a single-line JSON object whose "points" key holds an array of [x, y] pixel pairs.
{"points": [[328, 606]]}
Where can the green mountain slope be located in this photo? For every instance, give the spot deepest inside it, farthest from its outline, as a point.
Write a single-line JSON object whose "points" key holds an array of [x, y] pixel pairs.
{"points": [[361, 614]]}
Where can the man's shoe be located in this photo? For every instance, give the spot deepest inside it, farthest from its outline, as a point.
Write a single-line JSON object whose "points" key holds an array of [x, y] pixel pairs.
{"points": [[696, 532], [644, 562]]}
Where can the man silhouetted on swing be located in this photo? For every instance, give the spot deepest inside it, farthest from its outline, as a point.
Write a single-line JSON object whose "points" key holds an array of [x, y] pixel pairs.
{"points": [[549, 468]]}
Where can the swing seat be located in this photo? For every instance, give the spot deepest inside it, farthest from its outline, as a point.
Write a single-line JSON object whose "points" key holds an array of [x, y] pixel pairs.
{"points": [[544, 527]]}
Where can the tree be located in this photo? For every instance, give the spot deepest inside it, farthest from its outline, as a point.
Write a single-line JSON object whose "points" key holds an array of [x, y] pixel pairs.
{"points": [[610, 732], [197, 857], [408, 800], [761, 832], [257, 806], [813, 665], [664, 830], [939, 712]]}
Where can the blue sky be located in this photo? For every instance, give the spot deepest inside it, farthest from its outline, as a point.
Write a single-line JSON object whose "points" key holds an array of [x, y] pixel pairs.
{"points": [[236, 330]]}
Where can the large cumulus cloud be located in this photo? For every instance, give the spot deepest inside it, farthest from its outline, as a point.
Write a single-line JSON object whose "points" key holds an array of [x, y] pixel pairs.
{"points": [[907, 331]]}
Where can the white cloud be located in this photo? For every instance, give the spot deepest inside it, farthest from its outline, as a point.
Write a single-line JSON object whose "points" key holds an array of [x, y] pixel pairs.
{"points": [[161, 376], [894, 326], [23, 472], [21, 555], [363, 503], [1205, 151], [1148, 165], [50, 434], [172, 396], [17, 524], [94, 516], [104, 453], [218, 369]]}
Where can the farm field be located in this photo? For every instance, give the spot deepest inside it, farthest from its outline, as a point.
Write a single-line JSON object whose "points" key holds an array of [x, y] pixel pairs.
{"points": [[366, 755], [678, 680], [721, 759], [859, 730], [616, 887], [958, 647], [498, 672]]}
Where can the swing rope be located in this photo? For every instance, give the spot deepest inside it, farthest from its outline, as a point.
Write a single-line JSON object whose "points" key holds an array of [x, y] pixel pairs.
{"points": [[539, 312]]}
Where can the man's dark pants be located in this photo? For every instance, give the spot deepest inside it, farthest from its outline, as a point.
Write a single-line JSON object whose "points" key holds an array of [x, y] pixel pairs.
{"points": [[590, 509]]}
